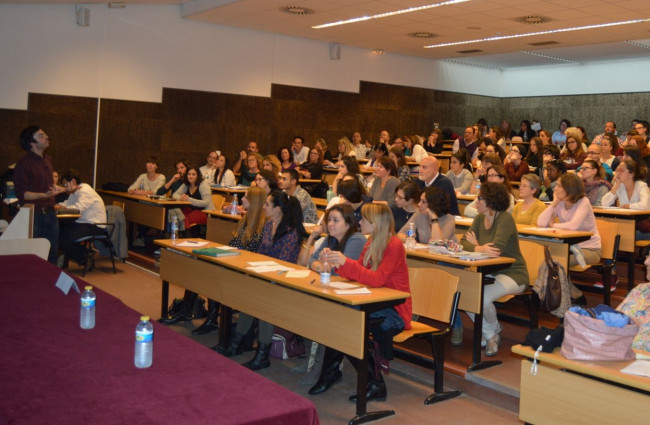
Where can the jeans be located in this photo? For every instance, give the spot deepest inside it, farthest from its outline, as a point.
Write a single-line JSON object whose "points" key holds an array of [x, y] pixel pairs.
{"points": [[46, 225]]}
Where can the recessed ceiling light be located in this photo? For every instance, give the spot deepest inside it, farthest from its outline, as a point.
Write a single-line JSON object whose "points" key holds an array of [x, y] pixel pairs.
{"points": [[637, 44], [507, 37], [474, 28], [387, 14], [533, 20], [378, 52], [541, 55], [422, 34], [296, 10]]}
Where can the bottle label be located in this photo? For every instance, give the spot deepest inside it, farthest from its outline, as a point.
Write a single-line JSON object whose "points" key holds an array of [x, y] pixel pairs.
{"points": [[325, 277], [141, 336], [88, 303], [410, 233]]}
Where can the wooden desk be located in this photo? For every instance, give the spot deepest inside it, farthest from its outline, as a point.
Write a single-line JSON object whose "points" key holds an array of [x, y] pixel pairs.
{"points": [[443, 159], [470, 285], [320, 203], [220, 226], [626, 220], [558, 240], [141, 209], [580, 392], [298, 304], [464, 200]]}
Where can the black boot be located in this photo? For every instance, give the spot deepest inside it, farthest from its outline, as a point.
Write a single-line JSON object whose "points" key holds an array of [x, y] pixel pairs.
{"points": [[330, 373], [261, 359], [186, 312], [234, 348], [210, 324], [376, 389]]}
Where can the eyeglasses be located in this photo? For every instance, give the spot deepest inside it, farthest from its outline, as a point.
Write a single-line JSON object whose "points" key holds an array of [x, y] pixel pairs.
{"points": [[480, 198], [399, 197], [258, 179], [495, 175], [593, 153], [587, 168]]}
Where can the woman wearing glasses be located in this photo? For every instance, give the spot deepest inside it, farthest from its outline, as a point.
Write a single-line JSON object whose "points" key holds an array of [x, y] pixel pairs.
{"points": [[515, 164], [593, 177], [527, 211], [495, 174], [494, 233]]}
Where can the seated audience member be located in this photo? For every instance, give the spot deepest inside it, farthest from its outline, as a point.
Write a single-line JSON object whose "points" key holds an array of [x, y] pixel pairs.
{"points": [[347, 167], [525, 132], [321, 145], [494, 233], [281, 239], [432, 221], [382, 263], [300, 151], [594, 153], [407, 196], [251, 148], [196, 191], [641, 143], [574, 156], [207, 171], [312, 169], [506, 130], [496, 137], [553, 170], [91, 209], [285, 155], [176, 180], [266, 180], [459, 176], [249, 172], [434, 143], [271, 163], [629, 188], [223, 175], [637, 306], [515, 165], [469, 142], [379, 151], [247, 236], [534, 157], [149, 182], [362, 149], [608, 146], [494, 149], [353, 193], [344, 148], [416, 151], [495, 174], [633, 153], [546, 137], [61, 196], [573, 211], [559, 137], [429, 176], [593, 177], [610, 129], [289, 183], [527, 211], [385, 182], [480, 175], [398, 158]]}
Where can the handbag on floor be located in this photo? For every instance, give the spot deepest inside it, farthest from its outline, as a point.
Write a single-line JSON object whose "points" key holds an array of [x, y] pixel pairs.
{"points": [[552, 286], [285, 344]]}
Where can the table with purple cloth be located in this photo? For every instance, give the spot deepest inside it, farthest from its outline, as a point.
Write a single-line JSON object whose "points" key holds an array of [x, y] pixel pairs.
{"points": [[51, 371]]}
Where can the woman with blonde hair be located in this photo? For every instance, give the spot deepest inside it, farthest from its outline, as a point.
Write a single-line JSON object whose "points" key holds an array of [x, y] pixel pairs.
{"points": [[271, 163], [382, 263], [345, 148], [321, 145], [247, 236], [574, 155]]}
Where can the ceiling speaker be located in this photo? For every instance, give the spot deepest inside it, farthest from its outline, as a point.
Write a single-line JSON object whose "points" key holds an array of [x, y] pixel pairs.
{"points": [[83, 16], [335, 51]]}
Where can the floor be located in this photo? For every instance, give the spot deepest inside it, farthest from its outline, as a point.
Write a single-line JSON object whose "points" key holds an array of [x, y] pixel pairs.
{"points": [[489, 396]]}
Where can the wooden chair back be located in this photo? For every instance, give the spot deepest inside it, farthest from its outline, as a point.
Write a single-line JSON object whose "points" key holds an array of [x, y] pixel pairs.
{"points": [[218, 201], [608, 231], [119, 204], [533, 253], [432, 293]]}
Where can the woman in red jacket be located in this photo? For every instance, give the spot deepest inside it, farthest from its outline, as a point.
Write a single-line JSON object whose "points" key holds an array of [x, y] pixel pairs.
{"points": [[382, 263]]}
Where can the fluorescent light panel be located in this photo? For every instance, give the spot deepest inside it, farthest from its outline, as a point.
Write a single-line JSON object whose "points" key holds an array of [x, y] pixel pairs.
{"points": [[506, 37], [387, 14]]}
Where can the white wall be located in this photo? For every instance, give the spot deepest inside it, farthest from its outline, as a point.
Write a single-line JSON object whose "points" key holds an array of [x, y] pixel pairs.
{"points": [[133, 53]]}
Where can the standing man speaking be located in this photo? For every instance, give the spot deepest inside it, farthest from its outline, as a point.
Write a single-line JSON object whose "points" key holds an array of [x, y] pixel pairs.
{"points": [[34, 183]]}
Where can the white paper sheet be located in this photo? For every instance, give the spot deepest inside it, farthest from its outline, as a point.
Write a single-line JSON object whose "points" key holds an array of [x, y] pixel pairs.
{"points": [[195, 244], [342, 285], [262, 263], [298, 273], [638, 367], [355, 291], [266, 269]]}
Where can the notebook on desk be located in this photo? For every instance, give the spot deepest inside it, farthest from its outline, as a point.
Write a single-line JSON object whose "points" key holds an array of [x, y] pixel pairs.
{"points": [[215, 252]]}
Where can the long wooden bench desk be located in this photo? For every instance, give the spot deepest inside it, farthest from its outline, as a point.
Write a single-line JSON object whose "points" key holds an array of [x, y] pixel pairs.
{"points": [[472, 275], [580, 392], [626, 220], [142, 209], [300, 305], [220, 226]]}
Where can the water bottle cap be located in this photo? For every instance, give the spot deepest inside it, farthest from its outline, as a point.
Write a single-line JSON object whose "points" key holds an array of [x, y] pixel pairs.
{"points": [[144, 318], [88, 288]]}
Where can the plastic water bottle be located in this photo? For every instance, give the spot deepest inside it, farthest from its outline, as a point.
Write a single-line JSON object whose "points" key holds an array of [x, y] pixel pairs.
{"points": [[143, 343], [330, 194], [478, 186], [233, 205], [87, 317], [410, 237], [141, 184], [326, 273], [174, 230]]}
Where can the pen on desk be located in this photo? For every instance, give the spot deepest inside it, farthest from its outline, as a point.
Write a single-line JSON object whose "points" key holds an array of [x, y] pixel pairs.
{"points": [[312, 281]]}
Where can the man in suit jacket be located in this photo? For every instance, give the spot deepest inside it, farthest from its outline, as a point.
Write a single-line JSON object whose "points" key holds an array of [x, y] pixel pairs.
{"points": [[429, 176]]}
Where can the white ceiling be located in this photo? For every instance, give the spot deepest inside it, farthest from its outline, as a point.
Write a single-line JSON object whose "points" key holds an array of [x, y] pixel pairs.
{"points": [[475, 19]]}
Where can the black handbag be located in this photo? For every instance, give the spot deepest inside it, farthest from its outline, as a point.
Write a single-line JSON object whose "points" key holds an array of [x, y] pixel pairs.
{"points": [[548, 285]]}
